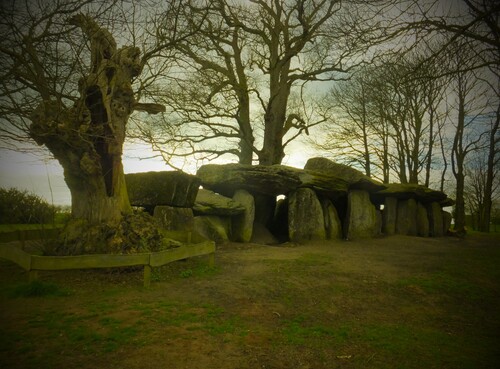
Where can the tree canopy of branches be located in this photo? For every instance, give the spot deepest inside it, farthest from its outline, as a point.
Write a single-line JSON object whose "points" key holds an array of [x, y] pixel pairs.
{"points": [[477, 25], [67, 85], [244, 73], [387, 118]]}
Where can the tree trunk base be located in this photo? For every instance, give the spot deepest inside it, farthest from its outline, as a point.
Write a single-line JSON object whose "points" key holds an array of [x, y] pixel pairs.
{"points": [[134, 233]]}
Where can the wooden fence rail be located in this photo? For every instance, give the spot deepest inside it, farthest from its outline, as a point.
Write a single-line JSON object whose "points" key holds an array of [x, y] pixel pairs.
{"points": [[33, 263]]}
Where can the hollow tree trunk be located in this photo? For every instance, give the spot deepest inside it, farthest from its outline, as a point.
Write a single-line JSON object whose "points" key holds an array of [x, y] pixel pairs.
{"points": [[87, 138]]}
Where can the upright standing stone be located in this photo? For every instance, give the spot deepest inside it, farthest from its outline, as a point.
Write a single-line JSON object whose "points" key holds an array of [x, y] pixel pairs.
{"points": [[412, 217], [213, 227], [333, 226], [305, 216], [422, 221], [406, 223], [389, 216], [378, 227], [361, 217], [435, 219], [402, 218], [174, 219], [242, 224]]}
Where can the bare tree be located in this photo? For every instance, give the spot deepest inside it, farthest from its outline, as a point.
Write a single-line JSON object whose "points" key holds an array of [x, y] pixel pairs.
{"points": [[468, 133], [477, 23], [71, 92], [351, 136], [234, 77], [476, 187]]}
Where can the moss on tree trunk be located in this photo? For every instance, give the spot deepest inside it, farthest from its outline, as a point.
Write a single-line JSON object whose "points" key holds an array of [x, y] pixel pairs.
{"points": [[87, 138]]}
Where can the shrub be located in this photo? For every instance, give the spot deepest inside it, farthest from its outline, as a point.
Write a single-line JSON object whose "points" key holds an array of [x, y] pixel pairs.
{"points": [[22, 207]]}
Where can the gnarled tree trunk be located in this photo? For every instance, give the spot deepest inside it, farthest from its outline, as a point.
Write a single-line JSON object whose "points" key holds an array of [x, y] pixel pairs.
{"points": [[87, 138]]}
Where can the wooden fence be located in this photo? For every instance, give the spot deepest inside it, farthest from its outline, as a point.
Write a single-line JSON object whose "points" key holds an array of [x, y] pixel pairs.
{"points": [[33, 263]]}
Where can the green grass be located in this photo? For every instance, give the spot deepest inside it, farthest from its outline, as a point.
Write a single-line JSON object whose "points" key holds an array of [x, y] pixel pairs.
{"points": [[191, 268], [298, 331], [431, 304], [444, 283], [209, 318], [36, 288]]}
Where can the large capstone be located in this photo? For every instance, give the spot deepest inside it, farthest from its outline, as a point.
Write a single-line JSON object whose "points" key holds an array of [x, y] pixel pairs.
{"points": [[354, 178], [210, 203], [305, 216], [172, 188], [361, 217], [242, 224], [268, 180], [272, 180], [420, 193]]}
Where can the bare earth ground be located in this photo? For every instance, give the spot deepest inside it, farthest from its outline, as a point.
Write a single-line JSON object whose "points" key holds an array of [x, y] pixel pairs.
{"points": [[396, 302]]}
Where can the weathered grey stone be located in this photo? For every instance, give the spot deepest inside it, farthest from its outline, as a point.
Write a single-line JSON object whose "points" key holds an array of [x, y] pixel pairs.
{"points": [[175, 219], [261, 235], [210, 203], [412, 217], [389, 216], [402, 220], [422, 221], [269, 180], [173, 188], [353, 177], [333, 226], [378, 227], [242, 224], [446, 222], [406, 223], [305, 216], [213, 227], [435, 215], [361, 217]]}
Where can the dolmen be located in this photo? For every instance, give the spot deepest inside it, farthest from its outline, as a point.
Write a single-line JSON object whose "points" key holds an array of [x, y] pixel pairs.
{"points": [[278, 203]]}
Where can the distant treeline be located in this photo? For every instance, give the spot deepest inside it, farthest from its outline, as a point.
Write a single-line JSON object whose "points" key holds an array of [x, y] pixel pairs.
{"points": [[22, 207]]}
